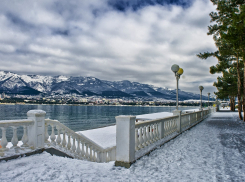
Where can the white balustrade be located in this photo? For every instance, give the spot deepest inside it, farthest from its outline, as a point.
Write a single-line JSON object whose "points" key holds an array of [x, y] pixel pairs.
{"points": [[135, 139], [185, 120], [75, 144], [15, 125], [192, 117], [131, 137]]}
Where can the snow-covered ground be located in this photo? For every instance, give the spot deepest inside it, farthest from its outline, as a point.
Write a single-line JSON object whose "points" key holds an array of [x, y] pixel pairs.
{"points": [[214, 150]]}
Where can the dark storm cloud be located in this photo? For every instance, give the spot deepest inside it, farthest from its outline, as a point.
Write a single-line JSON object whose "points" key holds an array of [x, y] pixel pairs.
{"points": [[124, 5], [138, 42]]}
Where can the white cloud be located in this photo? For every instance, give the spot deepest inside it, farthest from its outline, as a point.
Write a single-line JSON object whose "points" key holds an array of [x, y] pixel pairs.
{"points": [[90, 38]]}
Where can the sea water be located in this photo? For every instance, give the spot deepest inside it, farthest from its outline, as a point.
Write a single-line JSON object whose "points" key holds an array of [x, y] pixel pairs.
{"points": [[78, 118]]}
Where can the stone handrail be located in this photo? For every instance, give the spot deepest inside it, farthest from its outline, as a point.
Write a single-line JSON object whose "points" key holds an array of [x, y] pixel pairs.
{"points": [[36, 136], [135, 139], [151, 131], [77, 145], [4, 124]]}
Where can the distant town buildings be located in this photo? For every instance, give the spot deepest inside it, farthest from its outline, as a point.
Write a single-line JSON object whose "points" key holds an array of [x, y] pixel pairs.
{"points": [[74, 99]]}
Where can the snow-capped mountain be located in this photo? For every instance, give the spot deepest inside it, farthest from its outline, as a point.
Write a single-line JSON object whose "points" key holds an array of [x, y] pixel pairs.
{"points": [[12, 83]]}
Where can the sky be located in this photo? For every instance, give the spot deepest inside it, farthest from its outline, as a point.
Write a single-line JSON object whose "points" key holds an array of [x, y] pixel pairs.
{"points": [[135, 40]]}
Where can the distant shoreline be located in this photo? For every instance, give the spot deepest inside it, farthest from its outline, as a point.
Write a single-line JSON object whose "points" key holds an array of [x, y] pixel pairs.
{"points": [[94, 105]]}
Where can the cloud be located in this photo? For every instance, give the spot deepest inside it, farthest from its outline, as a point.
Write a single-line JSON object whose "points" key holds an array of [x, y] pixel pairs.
{"points": [[94, 38]]}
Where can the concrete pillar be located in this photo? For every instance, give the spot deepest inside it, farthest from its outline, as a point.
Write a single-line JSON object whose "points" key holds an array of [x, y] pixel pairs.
{"points": [[178, 113], [125, 141], [36, 132]]}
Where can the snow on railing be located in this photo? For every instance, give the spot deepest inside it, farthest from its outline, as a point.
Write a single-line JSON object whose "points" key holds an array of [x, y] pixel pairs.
{"points": [[149, 132], [135, 139], [14, 124], [76, 145], [36, 136]]}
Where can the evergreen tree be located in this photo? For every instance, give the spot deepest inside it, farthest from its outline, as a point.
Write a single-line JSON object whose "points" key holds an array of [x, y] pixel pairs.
{"points": [[229, 36]]}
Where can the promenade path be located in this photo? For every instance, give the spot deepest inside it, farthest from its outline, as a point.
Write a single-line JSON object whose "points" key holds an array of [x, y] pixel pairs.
{"points": [[214, 150]]}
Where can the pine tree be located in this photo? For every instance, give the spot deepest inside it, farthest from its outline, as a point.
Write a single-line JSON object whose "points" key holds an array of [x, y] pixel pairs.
{"points": [[229, 36]]}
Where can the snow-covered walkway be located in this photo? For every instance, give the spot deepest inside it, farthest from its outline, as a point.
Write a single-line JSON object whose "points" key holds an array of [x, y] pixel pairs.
{"points": [[214, 150]]}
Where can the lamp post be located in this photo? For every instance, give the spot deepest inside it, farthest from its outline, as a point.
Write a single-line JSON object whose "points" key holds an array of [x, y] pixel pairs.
{"points": [[177, 72], [201, 88], [208, 98]]}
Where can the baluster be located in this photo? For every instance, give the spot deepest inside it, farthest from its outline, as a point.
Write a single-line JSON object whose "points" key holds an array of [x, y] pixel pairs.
{"points": [[154, 133], [4, 141], [140, 138], [183, 124], [148, 138], [183, 121], [46, 133], [104, 156], [14, 139], [189, 121], [58, 140], [136, 140], [165, 128], [24, 137], [83, 151], [53, 137], [151, 134], [86, 155], [108, 156], [169, 129], [64, 139], [169, 126], [144, 137], [98, 156], [69, 141], [94, 157], [74, 144], [173, 125], [78, 147], [91, 152], [157, 131]]}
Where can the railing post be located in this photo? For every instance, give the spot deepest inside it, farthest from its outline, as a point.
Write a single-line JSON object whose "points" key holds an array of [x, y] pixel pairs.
{"points": [[125, 141], [36, 132], [178, 113]]}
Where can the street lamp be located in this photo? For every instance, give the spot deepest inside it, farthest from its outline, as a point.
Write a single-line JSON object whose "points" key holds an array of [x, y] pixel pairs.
{"points": [[208, 98], [177, 72], [201, 88]]}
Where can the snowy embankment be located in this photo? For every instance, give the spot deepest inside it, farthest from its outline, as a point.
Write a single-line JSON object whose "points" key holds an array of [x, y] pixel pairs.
{"points": [[214, 150]]}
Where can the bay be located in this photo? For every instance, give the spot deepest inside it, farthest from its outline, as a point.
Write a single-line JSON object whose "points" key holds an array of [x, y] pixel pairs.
{"points": [[79, 118]]}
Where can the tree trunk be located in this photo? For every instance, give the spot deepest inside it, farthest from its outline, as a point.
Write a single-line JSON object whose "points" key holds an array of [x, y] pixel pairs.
{"points": [[243, 84], [239, 89], [232, 103]]}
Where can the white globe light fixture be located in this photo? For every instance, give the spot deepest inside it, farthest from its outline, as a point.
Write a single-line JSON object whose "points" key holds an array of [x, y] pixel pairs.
{"points": [[177, 72]]}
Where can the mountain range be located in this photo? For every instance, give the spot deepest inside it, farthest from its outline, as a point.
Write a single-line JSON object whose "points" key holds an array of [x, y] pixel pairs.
{"points": [[12, 83]]}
